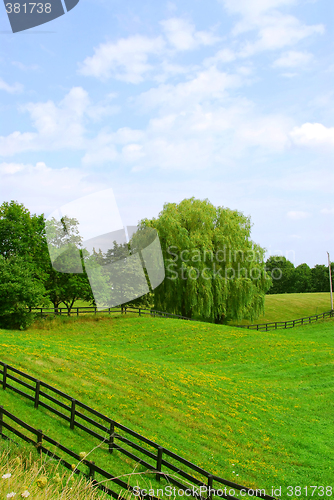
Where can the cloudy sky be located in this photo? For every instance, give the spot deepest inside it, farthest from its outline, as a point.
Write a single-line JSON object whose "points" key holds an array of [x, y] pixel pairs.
{"points": [[229, 100]]}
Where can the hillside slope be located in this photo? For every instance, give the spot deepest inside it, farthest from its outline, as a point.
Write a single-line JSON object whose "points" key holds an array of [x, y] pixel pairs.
{"points": [[231, 400]]}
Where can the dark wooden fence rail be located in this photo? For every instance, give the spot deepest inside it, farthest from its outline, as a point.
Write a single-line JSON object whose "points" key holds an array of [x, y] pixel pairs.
{"points": [[41, 438], [151, 312], [77, 311], [115, 433], [288, 324]]}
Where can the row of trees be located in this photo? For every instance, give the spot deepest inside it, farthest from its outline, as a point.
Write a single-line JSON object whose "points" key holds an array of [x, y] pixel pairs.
{"points": [[213, 270], [301, 279], [27, 278], [223, 278]]}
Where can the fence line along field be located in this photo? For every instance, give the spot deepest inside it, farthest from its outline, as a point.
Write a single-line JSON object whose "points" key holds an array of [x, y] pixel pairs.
{"points": [[252, 407], [290, 306]]}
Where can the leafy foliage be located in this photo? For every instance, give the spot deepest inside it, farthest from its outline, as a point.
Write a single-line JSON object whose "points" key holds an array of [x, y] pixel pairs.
{"points": [[213, 270], [20, 287], [286, 278]]}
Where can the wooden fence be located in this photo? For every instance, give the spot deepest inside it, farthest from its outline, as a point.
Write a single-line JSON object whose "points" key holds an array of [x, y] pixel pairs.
{"points": [[77, 311], [117, 436], [274, 325], [289, 324]]}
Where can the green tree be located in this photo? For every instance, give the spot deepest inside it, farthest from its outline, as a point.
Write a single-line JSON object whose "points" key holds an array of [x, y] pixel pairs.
{"points": [[20, 232], [281, 271], [67, 280], [23, 234], [20, 290], [320, 278], [302, 279], [121, 270], [213, 270]]}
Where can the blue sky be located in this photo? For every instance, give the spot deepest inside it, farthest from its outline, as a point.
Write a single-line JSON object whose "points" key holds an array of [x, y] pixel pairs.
{"points": [[229, 100]]}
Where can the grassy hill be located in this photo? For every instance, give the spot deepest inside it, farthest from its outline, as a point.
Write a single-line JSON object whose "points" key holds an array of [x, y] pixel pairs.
{"points": [[278, 307], [233, 401], [286, 306]]}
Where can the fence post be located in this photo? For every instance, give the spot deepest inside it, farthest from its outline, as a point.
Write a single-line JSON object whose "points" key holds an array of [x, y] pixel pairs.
{"points": [[111, 437], [4, 380], [39, 443], [1, 419], [159, 461], [210, 483], [91, 470], [77, 311], [37, 388], [139, 312], [72, 414]]}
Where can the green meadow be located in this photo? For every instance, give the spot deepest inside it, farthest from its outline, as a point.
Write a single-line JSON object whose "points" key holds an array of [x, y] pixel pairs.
{"points": [[252, 407], [287, 306]]}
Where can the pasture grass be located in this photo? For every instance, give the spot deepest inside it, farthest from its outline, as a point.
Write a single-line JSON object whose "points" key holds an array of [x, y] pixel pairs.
{"points": [[23, 474], [287, 306], [252, 407]]}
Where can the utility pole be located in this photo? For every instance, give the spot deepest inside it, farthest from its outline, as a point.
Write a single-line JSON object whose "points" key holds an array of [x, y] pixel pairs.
{"points": [[330, 280]]}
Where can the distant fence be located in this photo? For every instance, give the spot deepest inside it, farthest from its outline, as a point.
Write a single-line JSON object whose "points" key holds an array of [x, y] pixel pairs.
{"points": [[77, 311], [115, 433], [274, 325], [288, 324]]}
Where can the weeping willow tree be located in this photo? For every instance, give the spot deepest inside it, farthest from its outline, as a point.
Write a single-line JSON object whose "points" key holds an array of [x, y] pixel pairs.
{"points": [[214, 271]]}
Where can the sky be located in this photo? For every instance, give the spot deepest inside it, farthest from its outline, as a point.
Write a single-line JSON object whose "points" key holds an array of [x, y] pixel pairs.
{"points": [[225, 100]]}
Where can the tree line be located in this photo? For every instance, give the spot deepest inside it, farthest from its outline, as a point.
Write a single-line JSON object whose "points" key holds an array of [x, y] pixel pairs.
{"points": [[286, 278], [213, 270]]}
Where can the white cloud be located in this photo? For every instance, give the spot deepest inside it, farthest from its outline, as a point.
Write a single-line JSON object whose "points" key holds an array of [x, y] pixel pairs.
{"points": [[59, 125], [312, 135], [292, 59], [182, 35], [46, 187], [11, 89], [125, 60], [11, 168], [208, 84], [222, 56], [297, 215], [16, 142], [103, 148], [275, 31]]}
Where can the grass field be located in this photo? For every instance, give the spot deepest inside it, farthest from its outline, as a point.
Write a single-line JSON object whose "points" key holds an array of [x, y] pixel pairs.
{"points": [[278, 307], [286, 306], [233, 401]]}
